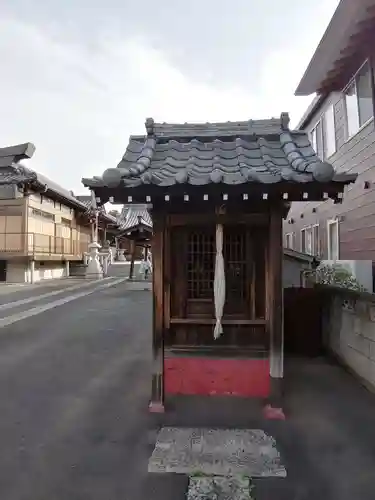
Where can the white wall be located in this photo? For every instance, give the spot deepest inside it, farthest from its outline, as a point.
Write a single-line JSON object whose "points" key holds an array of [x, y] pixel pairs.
{"points": [[50, 270]]}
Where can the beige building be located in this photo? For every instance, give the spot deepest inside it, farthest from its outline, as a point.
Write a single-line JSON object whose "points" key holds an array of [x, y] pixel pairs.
{"points": [[43, 227]]}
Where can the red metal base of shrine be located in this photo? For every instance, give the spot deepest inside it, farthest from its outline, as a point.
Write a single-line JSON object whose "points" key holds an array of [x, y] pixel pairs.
{"points": [[156, 407], [212, 376], [272, 413]]}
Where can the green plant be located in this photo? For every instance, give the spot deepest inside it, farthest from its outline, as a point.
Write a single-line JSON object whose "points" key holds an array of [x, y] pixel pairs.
{"points": [[335, 275]]}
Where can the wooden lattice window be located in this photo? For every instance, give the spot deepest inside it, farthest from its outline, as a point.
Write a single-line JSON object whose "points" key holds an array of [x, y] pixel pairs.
{"points": [[193, 271], [200, 264], [237, 268]]}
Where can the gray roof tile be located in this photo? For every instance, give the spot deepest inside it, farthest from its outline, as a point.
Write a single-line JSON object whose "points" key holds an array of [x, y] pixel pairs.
{"points": [[134, 215], [255, 151], [87, 201], [13, 172]]}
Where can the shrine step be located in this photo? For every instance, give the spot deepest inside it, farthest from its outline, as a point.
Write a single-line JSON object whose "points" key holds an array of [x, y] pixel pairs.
{"points": [[216, 452]]}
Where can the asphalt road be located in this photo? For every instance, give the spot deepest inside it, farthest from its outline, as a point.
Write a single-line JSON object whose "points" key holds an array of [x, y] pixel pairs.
{"points": [[74, 388], [74, 391]]}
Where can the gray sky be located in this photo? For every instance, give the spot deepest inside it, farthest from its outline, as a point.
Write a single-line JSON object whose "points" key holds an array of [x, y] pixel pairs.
{"points": [[79, 76]]}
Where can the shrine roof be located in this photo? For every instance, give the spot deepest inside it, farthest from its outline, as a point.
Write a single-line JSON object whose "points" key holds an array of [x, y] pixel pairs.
{"points": [[134, 215], [231, 153]]}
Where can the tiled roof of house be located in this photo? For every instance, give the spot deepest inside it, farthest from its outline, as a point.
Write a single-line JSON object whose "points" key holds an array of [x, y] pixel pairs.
{"points": [[13, 172], [87, 201], [134, 215], [254, 151]]}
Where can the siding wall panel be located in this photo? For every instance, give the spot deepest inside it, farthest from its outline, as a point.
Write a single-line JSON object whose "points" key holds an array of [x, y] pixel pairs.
{"points": [[356, 155]]}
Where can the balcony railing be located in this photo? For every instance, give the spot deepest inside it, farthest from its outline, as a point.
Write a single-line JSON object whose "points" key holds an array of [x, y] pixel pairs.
{"points": [[40, 244]]}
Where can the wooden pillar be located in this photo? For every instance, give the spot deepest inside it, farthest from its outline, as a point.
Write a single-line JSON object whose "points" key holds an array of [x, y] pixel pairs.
{"points": [[157, 390], [133, 248], [274, 311]]}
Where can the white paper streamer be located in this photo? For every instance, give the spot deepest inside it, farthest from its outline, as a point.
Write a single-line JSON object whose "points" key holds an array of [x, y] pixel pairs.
{"points": [[219, 282]]}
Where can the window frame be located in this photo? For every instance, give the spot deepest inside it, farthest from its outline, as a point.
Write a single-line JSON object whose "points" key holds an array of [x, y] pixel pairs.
{"points": [[320, 136], [352, 80], [310, 228], [292, 236], [324, 129], [41, 214], [315, 239], [304, 230], [330, 223], [318, 133]]}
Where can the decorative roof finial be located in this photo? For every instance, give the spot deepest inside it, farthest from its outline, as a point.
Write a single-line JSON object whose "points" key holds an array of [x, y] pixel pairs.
{"points": [[150, 126], [284, 118]]}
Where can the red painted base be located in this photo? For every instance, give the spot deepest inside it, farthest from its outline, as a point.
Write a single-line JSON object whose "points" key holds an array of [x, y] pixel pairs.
{"points": [[212, 376], [271, 413], [156, 408]]}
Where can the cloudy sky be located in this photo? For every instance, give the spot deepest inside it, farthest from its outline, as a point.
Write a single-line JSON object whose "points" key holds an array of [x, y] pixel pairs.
{"points": [[79, 76]]}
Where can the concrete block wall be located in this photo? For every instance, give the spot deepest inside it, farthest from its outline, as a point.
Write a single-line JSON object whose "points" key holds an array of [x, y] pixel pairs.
{"points": [[351, 335]]}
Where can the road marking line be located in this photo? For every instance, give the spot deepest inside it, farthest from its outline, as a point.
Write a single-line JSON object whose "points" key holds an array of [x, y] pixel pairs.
{"points": [[28, 300], [9, 320]]}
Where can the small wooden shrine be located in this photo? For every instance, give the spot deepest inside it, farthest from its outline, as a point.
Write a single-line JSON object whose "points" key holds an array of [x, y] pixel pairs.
{"points": [[218, 193]]}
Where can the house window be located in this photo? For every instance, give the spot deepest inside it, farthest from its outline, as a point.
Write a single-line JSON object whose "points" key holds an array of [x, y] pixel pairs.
{"points": [[41, 214], [333, 240], [317, 139], [329, 132], [66, 222], [315, 240], [306, 240], [289, 240], [358, 99]]}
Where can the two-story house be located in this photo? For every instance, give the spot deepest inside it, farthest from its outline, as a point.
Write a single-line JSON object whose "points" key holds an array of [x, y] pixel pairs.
{"points": [[340, 122], [43, 227]]}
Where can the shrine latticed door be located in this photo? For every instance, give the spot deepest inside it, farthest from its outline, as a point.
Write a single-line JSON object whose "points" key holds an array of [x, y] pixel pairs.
{"points": [[192, 295]]}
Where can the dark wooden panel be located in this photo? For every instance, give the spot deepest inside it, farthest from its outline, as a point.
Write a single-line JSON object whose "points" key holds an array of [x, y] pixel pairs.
{"points": [[157, 390], [250, 336], [167, 276], [212, 321], [274, 290], [302, 321], [213, 219]]}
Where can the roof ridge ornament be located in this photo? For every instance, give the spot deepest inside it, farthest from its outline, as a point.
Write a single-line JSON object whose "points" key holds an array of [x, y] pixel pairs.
{"points": [[149, 124], [284, 119], [17, 153]]}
